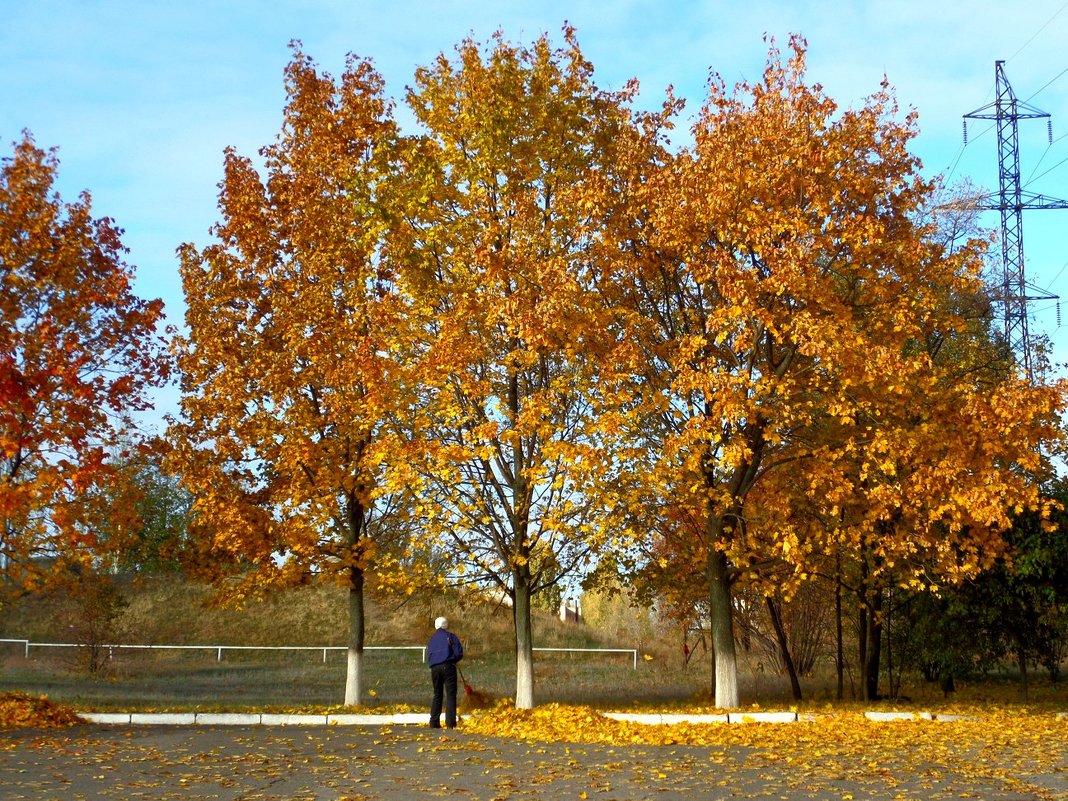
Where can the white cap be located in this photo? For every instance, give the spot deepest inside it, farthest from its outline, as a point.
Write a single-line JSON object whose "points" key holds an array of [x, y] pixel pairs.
{"points": [[441, 623]]}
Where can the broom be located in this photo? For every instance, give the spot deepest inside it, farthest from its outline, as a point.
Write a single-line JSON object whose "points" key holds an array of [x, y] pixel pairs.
{"points": [[473, 699]]}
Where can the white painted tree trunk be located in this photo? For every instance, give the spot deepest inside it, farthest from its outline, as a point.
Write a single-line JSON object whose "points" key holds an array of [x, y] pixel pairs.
{"points": [[353, 677], [354, 660], [722, 613], [524, 648]]}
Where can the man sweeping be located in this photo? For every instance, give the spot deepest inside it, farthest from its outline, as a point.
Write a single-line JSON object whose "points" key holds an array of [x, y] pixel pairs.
{"points": [[442, 653]]}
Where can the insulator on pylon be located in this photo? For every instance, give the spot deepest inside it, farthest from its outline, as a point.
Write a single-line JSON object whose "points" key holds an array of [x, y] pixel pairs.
{"points": [[1049, 129], [1058, 314], [965, 123]]}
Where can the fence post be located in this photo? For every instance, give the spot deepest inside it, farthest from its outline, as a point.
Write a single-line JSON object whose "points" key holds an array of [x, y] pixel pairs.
{"points": [[219, 658]]}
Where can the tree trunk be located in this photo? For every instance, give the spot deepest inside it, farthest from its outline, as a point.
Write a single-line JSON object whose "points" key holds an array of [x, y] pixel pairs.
{"points": [[873, 630], [1021, 661], [784, 646], [354, 666], [895, 684], [840, 647], [524, 643], [862, 645], [725, 659], [357, 517], [712, 673]]}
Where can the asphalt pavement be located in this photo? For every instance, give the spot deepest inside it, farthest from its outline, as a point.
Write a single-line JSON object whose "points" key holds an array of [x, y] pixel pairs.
{"points": [[352, 763]]}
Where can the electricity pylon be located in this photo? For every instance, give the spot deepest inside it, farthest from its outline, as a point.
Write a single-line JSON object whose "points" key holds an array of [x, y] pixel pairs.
{"points": [[1014, 293]]}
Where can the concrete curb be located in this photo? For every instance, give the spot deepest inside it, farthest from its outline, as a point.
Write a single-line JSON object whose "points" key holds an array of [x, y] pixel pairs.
{"points": [[655, 719], [252, 719], [228, 719], [895, 716], [292, 720], [399, 719], [762, 717], [163, 719], [885, 717], [421, 719], [729, 717], [105, 717], [233, 719], [954, 718]]}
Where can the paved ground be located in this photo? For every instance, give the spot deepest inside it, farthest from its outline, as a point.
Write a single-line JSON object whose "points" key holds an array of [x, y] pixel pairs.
{"points": [[349, 763]]}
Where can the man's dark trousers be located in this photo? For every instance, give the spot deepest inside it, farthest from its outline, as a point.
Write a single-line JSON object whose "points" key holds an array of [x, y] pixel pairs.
{"points": [[443, 675]]}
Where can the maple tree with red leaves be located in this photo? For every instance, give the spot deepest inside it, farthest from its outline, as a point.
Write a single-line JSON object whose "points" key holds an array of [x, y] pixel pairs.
{"points": [[79, 352]]}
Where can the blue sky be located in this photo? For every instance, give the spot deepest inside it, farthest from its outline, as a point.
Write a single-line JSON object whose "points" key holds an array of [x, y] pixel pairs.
{"points": [[141, 96]]}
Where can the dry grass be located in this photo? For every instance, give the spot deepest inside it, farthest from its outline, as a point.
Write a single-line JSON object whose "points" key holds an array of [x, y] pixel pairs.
{"points": [[174, 612], [169, 611]]}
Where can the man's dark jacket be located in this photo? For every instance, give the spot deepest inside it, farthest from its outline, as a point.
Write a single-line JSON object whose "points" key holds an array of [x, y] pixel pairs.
{"points": [[444, 646]]}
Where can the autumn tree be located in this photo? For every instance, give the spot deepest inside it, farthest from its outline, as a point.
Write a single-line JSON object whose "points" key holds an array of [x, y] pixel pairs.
{"points": [[919, 499], [155, 541], [1013, 612], [292, 364], [79, 353], [915, 487], [943, 455], [1022, 603], [775, 285], [507, 188]]}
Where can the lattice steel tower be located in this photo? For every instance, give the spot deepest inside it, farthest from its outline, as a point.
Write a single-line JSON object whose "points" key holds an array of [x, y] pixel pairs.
{"points": [[1014, 293]]}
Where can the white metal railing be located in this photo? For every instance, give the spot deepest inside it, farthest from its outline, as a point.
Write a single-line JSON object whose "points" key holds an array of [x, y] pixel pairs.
{"points": [[112, 647], [25, 643], [324, 648], [633, 651]]}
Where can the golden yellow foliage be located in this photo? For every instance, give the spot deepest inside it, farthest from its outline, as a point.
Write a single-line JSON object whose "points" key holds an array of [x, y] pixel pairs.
{"points": [[815, 734], [799, 372], [507, 192], [22, 711], [294, 362]]}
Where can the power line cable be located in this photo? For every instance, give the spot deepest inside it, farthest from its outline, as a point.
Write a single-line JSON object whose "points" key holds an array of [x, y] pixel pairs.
{"points": [[1059, 273], [1047, 172], [1038, 164], [960, 153], [1036, 33], [1048, 84], [952, 168]]}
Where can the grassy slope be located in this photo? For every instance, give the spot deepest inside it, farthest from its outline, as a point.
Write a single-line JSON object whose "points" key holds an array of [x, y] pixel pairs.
{"points": [[171, 611]]}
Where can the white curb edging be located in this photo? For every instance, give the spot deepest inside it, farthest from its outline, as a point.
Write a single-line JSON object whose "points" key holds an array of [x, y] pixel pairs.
{"points": [[105, 717], [163, 718], [228, 719], [729, 717], [419, 719], [884, 717], [762, 717], [358, 720], [292, 720]]}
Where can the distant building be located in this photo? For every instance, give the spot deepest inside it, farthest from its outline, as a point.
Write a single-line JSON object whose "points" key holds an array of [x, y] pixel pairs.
{"points": [[570, 611], [499, 597]]}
